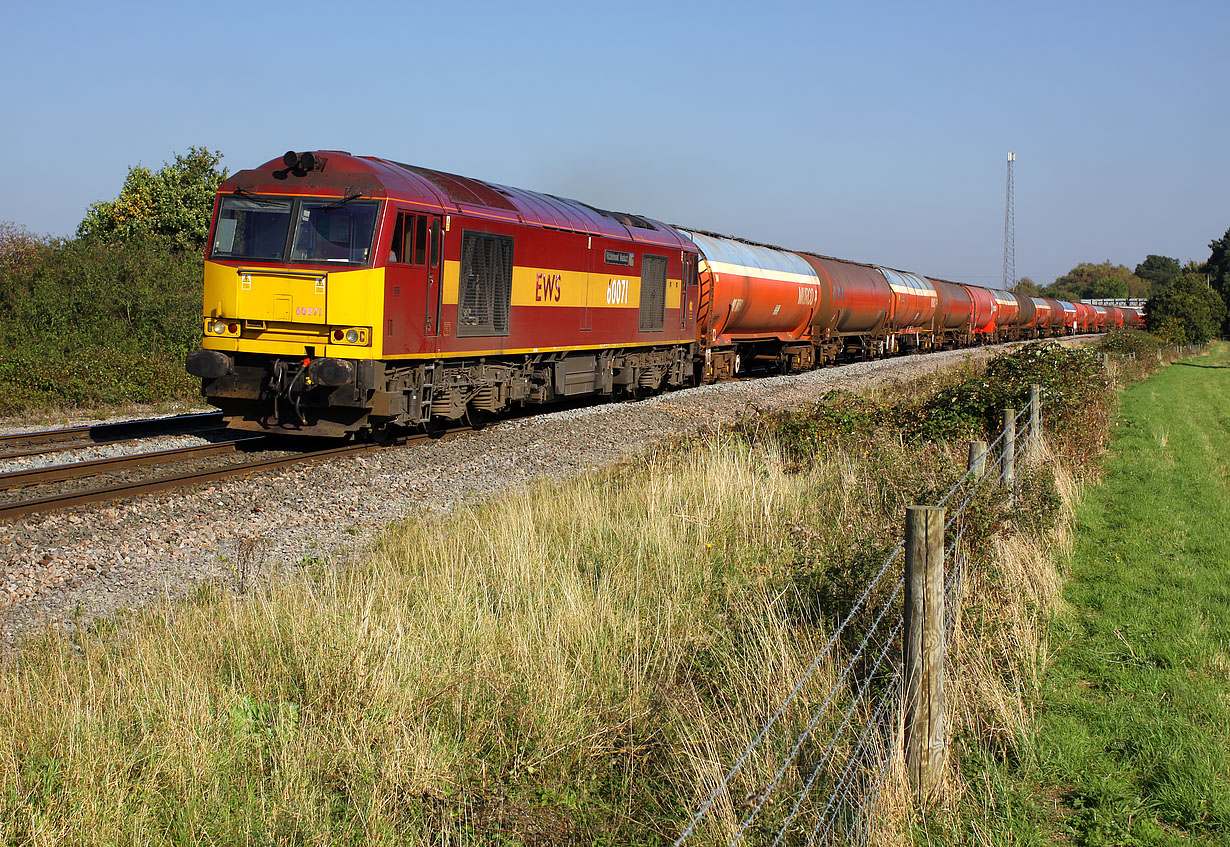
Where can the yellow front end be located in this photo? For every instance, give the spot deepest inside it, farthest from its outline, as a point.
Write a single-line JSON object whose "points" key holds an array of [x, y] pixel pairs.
{"points": [[295, 312]]}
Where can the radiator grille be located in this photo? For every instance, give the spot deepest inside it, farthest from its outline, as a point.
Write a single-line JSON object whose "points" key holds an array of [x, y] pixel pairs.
{"points": [[653, 293], [486, 284]]}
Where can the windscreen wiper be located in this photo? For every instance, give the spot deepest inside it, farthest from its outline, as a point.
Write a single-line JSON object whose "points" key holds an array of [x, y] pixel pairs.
{"points": [[256, 198], [337, 204]]}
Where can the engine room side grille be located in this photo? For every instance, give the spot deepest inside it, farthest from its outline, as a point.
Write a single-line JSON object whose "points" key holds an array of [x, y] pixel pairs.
{"points": [[653, 293], [485, 293]]}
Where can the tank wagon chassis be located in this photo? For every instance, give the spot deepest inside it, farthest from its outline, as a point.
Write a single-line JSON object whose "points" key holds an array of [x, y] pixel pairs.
{"points": [[349, 295]]}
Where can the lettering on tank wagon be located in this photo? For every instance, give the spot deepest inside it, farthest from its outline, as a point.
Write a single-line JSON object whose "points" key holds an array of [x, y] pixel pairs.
{"points": [[807, 296], [548, 287], [617, 292]]}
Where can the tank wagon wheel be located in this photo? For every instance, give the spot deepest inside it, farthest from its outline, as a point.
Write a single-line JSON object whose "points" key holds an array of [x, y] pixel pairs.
{"points": [[432, 428]]}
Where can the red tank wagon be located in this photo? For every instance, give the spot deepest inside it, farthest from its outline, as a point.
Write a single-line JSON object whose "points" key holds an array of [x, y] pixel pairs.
{"points": [[855, 304], [757, 306], [953, 325]]}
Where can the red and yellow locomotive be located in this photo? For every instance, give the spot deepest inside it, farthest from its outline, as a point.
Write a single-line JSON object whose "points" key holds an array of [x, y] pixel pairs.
{"points": [[345, 294]]}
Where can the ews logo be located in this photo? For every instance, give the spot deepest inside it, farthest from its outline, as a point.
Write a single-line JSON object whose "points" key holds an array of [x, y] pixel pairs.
{"points": [[548, 287]]}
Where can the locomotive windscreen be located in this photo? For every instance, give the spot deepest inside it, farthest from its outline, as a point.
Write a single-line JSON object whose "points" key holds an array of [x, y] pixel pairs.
{"points": [[328, 231], [252, 228]]}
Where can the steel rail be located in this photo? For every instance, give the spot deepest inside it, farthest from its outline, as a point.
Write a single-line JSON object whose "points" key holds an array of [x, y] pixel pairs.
{"points": [[86, 445], [132, 489], [94, 467], [112, 431]]}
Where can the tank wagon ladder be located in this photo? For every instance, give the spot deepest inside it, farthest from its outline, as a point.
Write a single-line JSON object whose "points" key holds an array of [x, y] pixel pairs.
{"points": [[705, 321], [704, 311]]}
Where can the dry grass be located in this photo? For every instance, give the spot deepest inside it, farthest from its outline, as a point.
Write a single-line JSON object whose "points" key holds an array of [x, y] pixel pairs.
{"points": [[1000, 655], [562, 663]]}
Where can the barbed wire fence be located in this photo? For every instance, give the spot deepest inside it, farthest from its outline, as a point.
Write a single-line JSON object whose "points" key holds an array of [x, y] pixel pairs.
{"points": [[824, 782]]}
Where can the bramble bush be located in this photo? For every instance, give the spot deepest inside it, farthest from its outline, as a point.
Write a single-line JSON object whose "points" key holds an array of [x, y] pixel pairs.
{"points": [[1070, 379], [108, 317], [90, 323], [971, 408], [1125, 341]]}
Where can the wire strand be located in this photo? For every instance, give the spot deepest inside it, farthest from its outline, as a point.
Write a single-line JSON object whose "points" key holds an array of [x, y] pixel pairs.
{"points": [[763, 795], [724, 785], [858, 698]]}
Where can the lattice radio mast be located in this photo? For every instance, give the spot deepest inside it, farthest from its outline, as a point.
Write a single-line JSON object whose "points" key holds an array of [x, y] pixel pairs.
{"points": [[1009, 232]]}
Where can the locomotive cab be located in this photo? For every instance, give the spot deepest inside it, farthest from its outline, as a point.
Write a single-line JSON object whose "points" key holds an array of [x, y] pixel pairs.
{"points": [[288, 336]]}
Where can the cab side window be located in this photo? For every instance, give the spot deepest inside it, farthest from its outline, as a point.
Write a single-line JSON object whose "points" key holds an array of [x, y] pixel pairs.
{"points": [[397, 248], [409, 245]]}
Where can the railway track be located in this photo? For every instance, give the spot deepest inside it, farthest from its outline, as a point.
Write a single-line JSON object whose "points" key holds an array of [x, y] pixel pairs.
{"points": [[121, 488], [81, 470], [19, 444]]}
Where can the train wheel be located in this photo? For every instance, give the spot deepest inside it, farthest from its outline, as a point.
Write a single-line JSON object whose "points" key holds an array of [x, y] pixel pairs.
{"points": [[380, 434], [477, 418]]}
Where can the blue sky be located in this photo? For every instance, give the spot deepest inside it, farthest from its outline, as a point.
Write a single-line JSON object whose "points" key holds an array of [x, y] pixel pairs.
{"points": [[870, 131]]}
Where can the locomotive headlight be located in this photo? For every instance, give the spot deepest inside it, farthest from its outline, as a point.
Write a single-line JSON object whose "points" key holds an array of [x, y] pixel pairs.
{"points": [[218, 328], [350, 335]]}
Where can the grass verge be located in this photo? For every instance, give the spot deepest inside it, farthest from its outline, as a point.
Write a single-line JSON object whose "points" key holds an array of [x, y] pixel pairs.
{"points": [[1132, 740]]}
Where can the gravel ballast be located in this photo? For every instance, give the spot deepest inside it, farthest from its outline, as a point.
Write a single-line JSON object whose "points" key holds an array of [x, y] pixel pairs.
{"points": [[63, 569]]}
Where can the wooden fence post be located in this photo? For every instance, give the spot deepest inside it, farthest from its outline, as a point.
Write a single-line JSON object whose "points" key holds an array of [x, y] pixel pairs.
{"points": [[1009, 459], [977, 458], [926, 742], [1035, 417]]}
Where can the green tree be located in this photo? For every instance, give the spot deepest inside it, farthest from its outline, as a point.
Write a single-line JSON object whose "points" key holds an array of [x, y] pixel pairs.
{"points": [[19, 249], [1218, 270], [1108, 288], [1028, 287], [173, 203], [1218, 265], [1087, 280], [1158, 271], [1186, 310]]}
